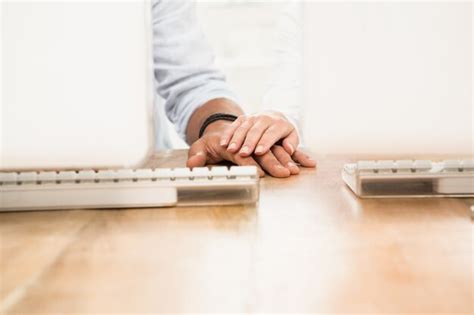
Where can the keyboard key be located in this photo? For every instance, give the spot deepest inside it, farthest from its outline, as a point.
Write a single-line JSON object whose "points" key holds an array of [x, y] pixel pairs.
{"points": [[66, 176], [243, 171], [87, 175], [219, 172], [385, 165], [106, 175], [422, 165], [452, 165], [366, 166], [468, 165], [144, 174], [182, 173], [8, 178], [47, 177], [403, 164], [164, 174], [201, 172], [27, 177], [124, 175]]}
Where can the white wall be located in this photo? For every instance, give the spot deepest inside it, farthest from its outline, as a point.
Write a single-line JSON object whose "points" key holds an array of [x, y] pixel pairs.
{"points": [[388, 77]]}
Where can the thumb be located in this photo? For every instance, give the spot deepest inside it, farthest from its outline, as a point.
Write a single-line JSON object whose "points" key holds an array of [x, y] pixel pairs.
{"points": [[197, 155], [291, 142]]}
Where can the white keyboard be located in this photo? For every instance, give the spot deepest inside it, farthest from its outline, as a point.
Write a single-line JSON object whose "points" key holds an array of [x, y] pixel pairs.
{"points": [[128, 188], [407, 178]]}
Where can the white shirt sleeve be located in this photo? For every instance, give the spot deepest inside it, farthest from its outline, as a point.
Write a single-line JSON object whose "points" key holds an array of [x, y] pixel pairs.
{"points": [[183, 62], [285, 92]]}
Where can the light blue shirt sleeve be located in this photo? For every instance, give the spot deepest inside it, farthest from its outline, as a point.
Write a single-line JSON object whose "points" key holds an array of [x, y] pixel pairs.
{"points": [[183, 62]]}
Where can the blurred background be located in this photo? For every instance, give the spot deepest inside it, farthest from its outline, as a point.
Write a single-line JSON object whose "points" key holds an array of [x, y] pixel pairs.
{"points": [[358, 77], [242, 34], [386, 77]]}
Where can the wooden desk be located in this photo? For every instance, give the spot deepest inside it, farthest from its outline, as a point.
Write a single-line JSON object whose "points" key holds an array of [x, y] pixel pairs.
{"points": [[309, 246]]}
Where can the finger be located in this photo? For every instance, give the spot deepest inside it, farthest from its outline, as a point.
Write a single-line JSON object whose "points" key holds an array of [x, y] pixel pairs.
{"points": [[252, 138], [304, 159], [227, 134], [271, 136], [285, 159], [239, 135], [270, 163], [248, 161], [197, 155], [291, 142]]}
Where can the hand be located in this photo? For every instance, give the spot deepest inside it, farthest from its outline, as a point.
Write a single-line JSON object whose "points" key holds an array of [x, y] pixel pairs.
{"points": [[256, 134], [276, 161]]}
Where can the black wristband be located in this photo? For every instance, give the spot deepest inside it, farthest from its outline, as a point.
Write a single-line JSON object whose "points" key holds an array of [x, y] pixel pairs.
{"points": [[215, 117]]}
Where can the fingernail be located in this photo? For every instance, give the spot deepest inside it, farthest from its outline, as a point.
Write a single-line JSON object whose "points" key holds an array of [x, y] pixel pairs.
{"points": [[199, 153], [232, 146], [223, 142], [279, 166], [245, 150], [291, 164], [259, 149]]}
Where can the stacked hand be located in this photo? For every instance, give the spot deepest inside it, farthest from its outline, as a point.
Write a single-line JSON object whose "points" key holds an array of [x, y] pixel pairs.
{"points": [[252, 140]]}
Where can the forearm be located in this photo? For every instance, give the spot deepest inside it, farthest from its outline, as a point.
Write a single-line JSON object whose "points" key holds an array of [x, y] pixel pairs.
{"points": [[220, 105]]}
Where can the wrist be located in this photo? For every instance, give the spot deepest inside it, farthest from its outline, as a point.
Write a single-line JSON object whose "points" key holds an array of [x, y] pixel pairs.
{"points": [[213, 118], [220, 105]]}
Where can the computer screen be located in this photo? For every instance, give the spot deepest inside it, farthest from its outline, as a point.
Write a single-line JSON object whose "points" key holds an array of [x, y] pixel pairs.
{"points": [[388, 78], [76, 81]]}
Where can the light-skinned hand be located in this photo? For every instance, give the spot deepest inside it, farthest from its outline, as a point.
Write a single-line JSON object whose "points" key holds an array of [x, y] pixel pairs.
{"points": [[276, 161], [256, 134]]}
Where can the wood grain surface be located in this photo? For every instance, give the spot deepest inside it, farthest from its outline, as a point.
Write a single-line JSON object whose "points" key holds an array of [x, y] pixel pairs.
{"points": [[309, 245]]}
